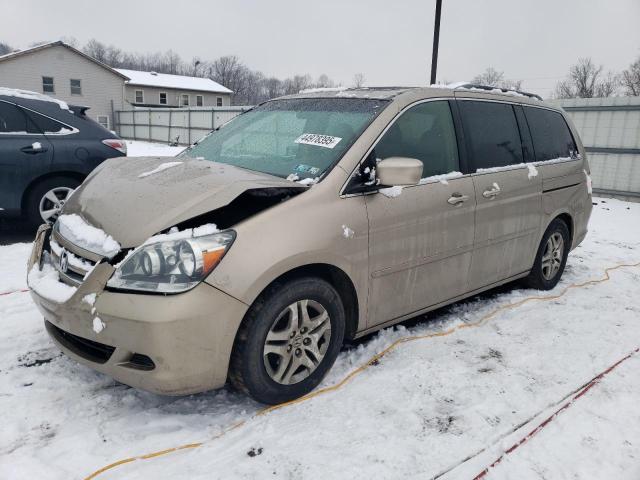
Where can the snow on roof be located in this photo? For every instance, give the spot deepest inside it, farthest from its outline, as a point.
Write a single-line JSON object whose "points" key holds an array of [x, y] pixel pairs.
{"points": [[165, 80], [15, 92], [39, 46], [57, 43]]}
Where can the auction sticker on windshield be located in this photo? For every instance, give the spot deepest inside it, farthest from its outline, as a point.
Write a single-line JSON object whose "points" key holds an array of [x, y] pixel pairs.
{"points": [[326, 141]]}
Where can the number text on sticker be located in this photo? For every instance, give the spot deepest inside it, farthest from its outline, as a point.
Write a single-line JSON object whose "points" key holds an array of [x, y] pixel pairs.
{"points": [[326, 141]]}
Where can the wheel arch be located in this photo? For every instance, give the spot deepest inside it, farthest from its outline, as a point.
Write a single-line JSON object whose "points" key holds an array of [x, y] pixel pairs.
{"points": [[337, 278], [568, 220], [36, 181]]}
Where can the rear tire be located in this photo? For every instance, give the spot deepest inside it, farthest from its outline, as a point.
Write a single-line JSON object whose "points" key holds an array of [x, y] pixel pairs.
{"points": [[288, 340], [41, 200], [551, 257]]}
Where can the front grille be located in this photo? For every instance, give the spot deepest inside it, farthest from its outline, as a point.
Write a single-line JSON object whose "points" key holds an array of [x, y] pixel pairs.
{"points": [[93, 351], [75, 266]]}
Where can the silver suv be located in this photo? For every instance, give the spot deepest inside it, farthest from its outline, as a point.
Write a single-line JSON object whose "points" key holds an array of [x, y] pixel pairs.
{"points": [[309, 220]]}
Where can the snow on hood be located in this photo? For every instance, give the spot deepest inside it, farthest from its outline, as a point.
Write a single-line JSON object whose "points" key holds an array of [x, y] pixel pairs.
{"points": [[131, 209], [75, 229]]}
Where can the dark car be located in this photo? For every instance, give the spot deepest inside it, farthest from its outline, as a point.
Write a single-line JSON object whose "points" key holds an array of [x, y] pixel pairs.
{"points": [[47, 148]]}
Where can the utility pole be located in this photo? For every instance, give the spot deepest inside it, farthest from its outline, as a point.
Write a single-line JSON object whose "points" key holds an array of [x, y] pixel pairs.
{"points": [[436, 41]]}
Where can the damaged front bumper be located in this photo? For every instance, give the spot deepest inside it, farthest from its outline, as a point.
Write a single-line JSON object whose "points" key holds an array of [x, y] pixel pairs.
{"points": [[167, 344]]}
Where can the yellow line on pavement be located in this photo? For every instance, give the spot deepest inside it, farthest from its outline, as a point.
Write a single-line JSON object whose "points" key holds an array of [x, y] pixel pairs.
{"points": [[373, 360]]}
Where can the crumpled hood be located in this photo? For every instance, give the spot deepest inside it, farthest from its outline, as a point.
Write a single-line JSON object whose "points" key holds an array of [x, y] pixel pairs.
{"points": [[131, 208]]}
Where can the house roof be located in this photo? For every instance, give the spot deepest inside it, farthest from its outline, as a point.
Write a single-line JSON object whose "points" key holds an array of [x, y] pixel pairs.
{"points": [[179, 82], [59, 43]]}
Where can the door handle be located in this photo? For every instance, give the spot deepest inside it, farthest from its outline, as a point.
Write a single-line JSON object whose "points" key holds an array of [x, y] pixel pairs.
{"points": [[457, 199], [493, 192], [32, 151]]}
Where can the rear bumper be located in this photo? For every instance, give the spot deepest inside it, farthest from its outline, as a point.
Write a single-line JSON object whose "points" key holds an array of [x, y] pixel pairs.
{"points": [[188, 337]]}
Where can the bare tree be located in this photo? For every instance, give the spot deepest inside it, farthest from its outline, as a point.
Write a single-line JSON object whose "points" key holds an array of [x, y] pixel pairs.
{"points": [[96, 49], [273, 88], [359, 80], [608, 85], [174, 64], [227, 71], [324, 82], [253, 88], [196, 62], [296, 84], [585, 80], [630, 79], [249, 86], [5, 48], [493, 78], [113, 56]]}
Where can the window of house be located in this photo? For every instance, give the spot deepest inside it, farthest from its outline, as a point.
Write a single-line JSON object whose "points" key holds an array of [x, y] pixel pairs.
{"points": [[104, 121], [424, 132], [47, 85], [492, 133], [184, 100], [218, 101], [550, 134], [139, 96], [14, 120], [163, 98], [76, 87], [199, 100]]}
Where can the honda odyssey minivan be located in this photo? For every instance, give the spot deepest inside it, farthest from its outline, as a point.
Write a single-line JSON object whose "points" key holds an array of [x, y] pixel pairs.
{"points": [[308, 220]]}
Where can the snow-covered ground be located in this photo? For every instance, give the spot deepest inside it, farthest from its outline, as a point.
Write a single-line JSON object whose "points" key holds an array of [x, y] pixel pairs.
{"points": [[138, 148], [419, 411]]}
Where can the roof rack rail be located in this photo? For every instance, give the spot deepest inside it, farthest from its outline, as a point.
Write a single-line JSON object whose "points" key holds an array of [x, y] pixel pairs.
{"points": [[381, 87], [489, 88]]}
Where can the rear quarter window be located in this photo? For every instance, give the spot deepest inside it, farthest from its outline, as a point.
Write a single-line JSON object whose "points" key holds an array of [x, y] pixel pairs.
{"points": [[492, 133], [550, 134], [46, 124]]}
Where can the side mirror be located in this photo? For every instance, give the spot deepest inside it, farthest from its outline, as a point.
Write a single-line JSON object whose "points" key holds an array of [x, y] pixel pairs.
{"points": [[399, 171]]}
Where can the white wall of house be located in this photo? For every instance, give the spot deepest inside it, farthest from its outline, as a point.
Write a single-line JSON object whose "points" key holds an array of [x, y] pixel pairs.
{"points": [[151, 96], [99, 86]]}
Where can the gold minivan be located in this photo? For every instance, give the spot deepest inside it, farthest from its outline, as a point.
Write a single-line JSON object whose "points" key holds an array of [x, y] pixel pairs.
{"points": [[308, 220]]}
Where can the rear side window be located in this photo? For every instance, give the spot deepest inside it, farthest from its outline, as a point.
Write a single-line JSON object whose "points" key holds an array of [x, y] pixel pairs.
{"points": [[46, 124], [492, 133], [13, 120], [424, 132], [550, 133]]}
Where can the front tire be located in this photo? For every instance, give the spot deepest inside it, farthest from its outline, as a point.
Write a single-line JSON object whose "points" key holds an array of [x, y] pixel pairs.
{"points": [[288, 340], [551, 257]]}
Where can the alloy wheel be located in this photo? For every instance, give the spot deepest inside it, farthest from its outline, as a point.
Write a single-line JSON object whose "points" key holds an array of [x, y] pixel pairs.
{"points": [[297, 342], [552, 256], [52, 202]]}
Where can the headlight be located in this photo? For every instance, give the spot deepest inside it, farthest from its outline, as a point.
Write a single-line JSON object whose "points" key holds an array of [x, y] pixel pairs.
{"points": [[171, 266]]}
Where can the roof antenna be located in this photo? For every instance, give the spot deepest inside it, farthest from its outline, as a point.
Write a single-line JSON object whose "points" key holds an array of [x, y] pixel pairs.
{"points": [[436, 42]]}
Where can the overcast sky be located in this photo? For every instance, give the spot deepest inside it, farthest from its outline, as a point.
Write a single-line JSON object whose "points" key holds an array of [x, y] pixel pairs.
{"points": [[388, 41]]}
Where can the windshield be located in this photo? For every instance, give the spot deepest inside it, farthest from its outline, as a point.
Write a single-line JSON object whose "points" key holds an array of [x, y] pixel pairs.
{"points": [[293, 138]]}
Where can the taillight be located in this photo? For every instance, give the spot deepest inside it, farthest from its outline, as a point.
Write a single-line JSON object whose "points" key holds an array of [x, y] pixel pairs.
{"points": [[116, 144]]}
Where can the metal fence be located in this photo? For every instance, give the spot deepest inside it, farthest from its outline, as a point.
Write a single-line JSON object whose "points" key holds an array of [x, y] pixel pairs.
{"points": [[609, 128], [181, 126], [610, 131]]}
